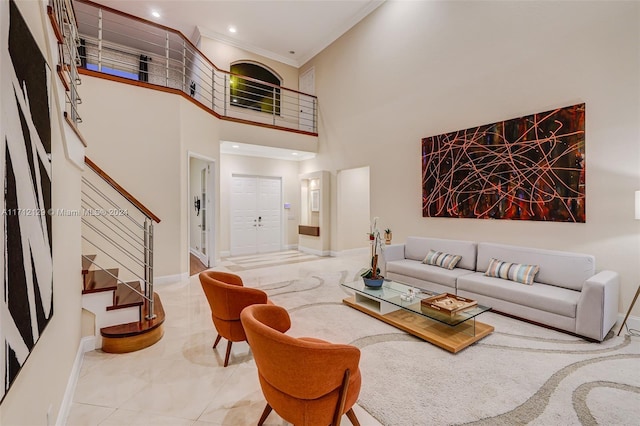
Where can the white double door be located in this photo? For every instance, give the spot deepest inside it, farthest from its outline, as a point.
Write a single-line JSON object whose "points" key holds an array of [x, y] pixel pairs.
{"points": [[256, 214]]}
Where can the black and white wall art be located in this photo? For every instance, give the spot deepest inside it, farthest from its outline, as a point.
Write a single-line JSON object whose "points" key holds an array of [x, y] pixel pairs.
{"points": [[25, 147]]}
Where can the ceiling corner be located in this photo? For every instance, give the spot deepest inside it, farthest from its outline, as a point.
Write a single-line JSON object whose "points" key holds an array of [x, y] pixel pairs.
{"points": [[340, 30], [204, 32]]}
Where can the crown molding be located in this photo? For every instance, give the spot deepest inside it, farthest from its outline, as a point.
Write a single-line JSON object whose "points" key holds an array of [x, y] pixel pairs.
{"points": [[204, 32], [305, 57]]}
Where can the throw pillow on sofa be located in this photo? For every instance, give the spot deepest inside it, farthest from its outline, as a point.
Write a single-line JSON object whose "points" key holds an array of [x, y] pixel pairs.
{"points": [[512, 271], [443, 260]]}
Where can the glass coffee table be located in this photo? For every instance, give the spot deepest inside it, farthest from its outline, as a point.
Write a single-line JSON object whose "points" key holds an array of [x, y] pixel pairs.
{"points": [[393, 304]]}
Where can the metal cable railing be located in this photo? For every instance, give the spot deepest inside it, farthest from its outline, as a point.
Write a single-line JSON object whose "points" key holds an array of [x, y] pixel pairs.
{"points": [[115, 43], [65, 19], [115, 277], [122, 235]]}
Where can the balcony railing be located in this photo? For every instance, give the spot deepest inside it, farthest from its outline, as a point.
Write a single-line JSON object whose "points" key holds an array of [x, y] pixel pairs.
{"points": [[62, 17], [116, 43]]}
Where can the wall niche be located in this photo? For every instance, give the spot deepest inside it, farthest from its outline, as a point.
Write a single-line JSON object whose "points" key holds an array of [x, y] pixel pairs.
{"points": [[313, 229]]}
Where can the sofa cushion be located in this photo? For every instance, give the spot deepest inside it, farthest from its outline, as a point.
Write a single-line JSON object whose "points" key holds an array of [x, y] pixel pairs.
{"points": [[443, 260], [498, 269], [434, 274], [557, 300], [559, 268], [416, 248], [512, 271]]}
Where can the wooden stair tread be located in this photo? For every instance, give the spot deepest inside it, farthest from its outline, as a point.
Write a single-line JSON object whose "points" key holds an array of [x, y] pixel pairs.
{"points": [[86, 263], [125, 297], [100, 280], [139, 327]]}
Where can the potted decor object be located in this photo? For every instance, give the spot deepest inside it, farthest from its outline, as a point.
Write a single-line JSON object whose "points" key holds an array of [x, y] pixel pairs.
{"points": [[371, 276], [387, 236]]}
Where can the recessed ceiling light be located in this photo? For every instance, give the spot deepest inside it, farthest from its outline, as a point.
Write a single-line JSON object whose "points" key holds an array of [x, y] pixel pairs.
{"points": [[294, 153], [235, 146], [155, 14], [232, 29]]}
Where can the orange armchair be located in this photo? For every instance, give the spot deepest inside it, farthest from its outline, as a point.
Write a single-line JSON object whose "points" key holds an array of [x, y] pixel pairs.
{"points": [[227, 298], [306, 381]]}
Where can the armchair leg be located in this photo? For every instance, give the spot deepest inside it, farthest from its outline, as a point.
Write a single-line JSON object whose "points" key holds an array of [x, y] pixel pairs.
{"points": [[226, 358], [342, 398], [265, 414], [217, 341], [352, 416]]}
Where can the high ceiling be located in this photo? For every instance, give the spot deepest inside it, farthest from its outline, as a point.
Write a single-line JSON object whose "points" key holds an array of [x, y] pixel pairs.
{"points": [[267, 27]]}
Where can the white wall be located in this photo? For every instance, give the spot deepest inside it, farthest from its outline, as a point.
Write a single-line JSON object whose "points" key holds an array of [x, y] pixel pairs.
{"points": [[40, 385], [352, 213], [416, 69], [137, 143]]}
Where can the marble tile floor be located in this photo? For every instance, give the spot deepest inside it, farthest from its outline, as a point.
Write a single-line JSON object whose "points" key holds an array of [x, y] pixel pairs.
{"points": [[180, 380]]}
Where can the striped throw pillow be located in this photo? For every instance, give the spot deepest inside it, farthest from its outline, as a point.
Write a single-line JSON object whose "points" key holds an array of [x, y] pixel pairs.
{"points": [[443, 260], [512, 271]]}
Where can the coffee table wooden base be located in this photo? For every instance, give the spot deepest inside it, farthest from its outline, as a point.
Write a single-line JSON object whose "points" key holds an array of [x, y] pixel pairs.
{"points": [[452, 339]]}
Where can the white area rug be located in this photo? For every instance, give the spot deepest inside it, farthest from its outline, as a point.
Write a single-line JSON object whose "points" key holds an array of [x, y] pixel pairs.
{"points": [[520, 374]]}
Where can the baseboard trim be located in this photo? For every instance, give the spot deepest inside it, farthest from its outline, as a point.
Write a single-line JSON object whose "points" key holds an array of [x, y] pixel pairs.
{"points": [[86, 344], [632, 323], [351, 252], [194, 252], [171, 279], [322, 253], [227, 253], [197, 254]]}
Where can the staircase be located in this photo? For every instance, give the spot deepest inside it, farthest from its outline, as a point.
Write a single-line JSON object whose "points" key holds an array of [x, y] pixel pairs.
{"points": [[116, 228], [117, 277], [120, 309]]}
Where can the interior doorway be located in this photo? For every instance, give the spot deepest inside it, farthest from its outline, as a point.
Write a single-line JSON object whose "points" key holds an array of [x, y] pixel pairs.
{"points": [[256, 214], [201, 207]]}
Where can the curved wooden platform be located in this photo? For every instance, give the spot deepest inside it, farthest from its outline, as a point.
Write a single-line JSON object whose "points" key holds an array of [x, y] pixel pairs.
{"points": [[123, 338]]}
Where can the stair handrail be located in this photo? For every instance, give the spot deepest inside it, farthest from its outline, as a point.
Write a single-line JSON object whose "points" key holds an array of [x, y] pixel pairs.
{"points": [[147, 239], [115, 185]]}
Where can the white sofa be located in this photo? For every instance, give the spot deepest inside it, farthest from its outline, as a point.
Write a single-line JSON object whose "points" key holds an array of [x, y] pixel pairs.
{"points": [[566, 294]]}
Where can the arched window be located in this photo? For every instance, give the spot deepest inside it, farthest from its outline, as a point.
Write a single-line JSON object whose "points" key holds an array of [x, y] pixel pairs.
{"points": [[252, 94]]}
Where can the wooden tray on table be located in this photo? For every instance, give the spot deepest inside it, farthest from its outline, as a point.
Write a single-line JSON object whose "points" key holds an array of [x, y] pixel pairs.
{"points": [[448, 303]]}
